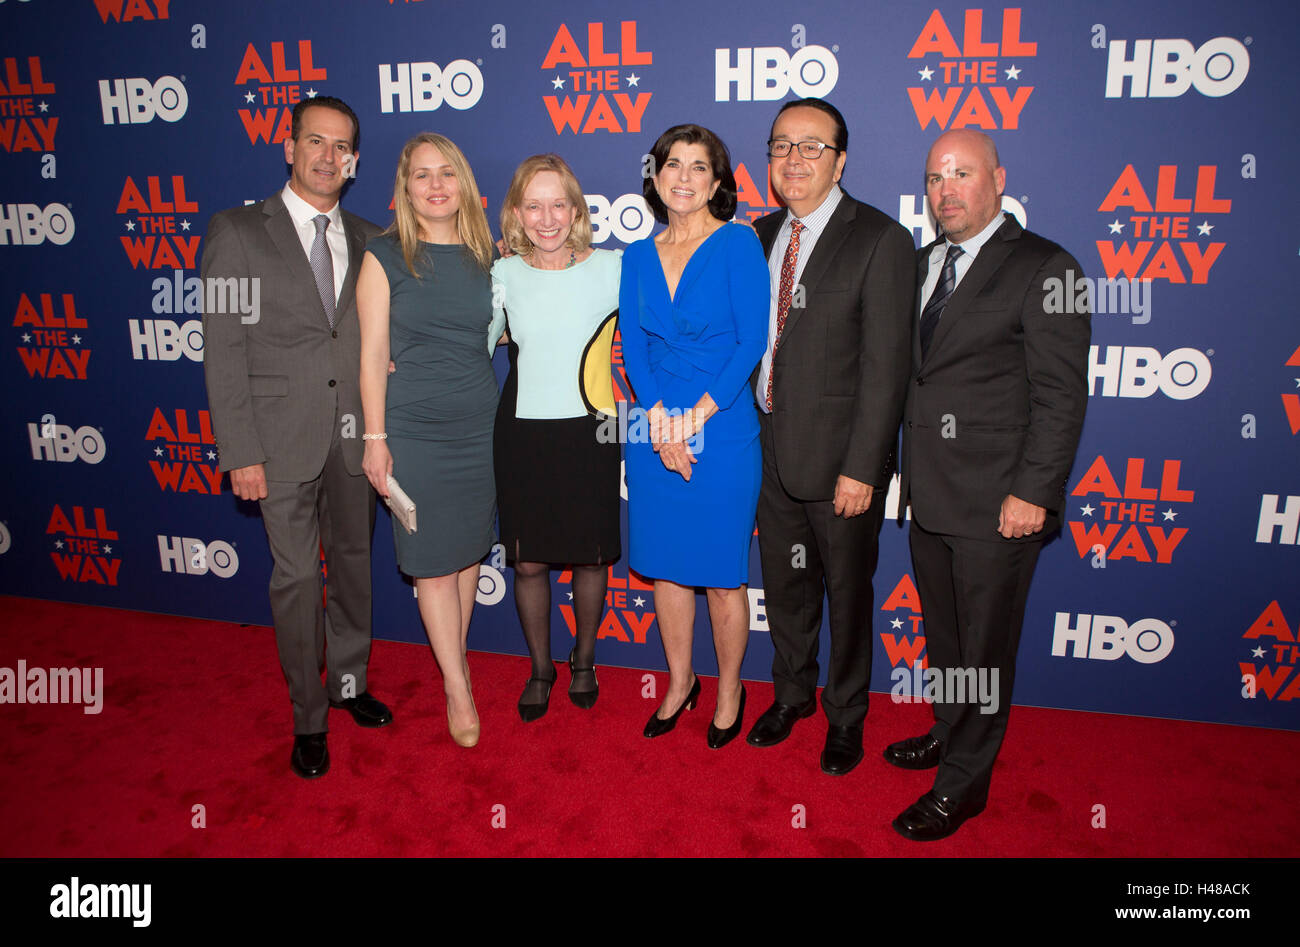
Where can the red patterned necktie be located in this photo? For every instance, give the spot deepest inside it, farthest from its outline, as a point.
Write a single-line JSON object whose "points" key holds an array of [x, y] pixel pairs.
{"points": [[783, 298]]}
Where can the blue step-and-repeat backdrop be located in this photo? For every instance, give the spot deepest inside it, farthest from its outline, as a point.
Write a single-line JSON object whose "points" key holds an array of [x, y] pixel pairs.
{"points": [[1151, 140]]}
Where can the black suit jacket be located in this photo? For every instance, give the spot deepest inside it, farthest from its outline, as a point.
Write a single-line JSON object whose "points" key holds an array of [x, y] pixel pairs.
{"points": [[997, 404], [841, 368]]}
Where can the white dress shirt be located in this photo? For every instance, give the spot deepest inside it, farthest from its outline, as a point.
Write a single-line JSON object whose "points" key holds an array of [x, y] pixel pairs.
{"points": [[303, 215], [969, 251], [813, 224]]}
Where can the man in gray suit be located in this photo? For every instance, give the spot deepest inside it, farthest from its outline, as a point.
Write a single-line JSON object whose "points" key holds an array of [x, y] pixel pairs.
{"points": [[283, 392]]}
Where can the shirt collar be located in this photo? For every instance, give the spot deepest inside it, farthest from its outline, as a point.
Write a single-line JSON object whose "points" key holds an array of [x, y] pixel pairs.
{"points": [[971, 246], [816, 220], [303, 213]]}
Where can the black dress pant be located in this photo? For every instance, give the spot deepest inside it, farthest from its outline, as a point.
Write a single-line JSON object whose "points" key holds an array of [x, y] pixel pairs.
{"points": [[809, 554], [973, 594]]}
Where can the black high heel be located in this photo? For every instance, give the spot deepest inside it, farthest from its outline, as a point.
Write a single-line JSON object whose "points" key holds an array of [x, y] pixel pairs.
{"points": [[720, 738], [528, 712], [657, 726], [584, 699]]}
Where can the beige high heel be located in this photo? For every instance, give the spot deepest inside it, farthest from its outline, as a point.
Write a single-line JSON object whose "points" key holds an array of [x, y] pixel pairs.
{"points": [[469, 735]]}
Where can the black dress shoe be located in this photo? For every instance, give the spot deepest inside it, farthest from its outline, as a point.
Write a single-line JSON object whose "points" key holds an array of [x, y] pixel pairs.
{"points": [[719, 738], [530, 711], [585, 699], [366, 710], [657, 726], [310, 757], [843, 750], [915, 752], [777, 721], [934, 817]]}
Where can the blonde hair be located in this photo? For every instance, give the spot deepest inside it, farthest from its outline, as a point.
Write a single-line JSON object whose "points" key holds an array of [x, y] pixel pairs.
{"points": [[512, 231], [471, 221]]}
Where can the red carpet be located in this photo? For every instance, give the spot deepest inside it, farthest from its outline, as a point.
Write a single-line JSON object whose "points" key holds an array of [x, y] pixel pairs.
{"points": [[196, 714]]}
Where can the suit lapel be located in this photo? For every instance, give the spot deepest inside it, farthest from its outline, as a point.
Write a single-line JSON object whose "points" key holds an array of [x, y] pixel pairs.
{"points": [[832, 236], [991, 255], [356, 248], [767, 228]]}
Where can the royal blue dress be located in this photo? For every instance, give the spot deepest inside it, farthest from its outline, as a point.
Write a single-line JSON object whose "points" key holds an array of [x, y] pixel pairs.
{"points": [[708, 338]]}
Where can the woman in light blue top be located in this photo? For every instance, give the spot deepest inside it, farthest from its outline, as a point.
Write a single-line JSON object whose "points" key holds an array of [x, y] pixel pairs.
{"points": [[557, 477]]}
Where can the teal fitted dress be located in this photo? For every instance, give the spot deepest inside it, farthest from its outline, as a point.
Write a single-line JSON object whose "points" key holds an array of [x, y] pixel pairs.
{"points": [[440, 404]]}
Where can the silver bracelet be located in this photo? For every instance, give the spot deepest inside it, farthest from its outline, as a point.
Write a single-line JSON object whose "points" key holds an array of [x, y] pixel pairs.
{"points": [[375, 437]]}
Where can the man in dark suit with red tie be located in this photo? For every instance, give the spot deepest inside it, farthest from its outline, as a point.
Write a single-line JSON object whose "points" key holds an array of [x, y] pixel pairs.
{"points": [[830, 393], [994, 411]]}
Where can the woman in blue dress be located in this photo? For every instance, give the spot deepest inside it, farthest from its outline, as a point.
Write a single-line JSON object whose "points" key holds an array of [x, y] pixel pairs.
{"points": [[693, 313], [424, 298], [557, 478]]}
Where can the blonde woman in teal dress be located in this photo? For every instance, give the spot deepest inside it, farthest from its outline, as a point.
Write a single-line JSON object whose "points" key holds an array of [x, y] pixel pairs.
{"points": [[424, 298]]}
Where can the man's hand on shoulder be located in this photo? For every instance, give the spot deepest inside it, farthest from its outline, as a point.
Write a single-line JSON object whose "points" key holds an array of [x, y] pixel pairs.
{"points": [[249, 483], [1019, 518], [852, 497]]}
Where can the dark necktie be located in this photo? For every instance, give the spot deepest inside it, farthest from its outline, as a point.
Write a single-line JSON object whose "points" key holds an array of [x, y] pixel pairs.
{"points": [[934, 308], [322, 266], [784, 296]]}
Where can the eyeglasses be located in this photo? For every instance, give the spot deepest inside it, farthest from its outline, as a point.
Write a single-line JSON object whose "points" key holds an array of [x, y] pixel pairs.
{"points": [[812, 150]]}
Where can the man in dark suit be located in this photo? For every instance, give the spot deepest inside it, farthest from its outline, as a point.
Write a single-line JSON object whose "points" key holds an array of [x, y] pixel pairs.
{"points": [[994, 411], [283, 392], [830, 391]]}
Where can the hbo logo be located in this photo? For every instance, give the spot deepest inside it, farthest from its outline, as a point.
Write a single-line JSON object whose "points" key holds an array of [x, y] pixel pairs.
{"points": [[1135, 371], [626, 220], [1166, 68], [192, 557], [1106, 638], [424, 86], [136, 101], [31, 224], [767, 73], [61, 443], [163, 340]]}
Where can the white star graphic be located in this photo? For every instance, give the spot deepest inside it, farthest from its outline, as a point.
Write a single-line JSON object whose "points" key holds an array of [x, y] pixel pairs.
{"points": [[157, 451], [1205, 228], [1170, 515], [1258, 652], [108, 550], [570, 594], [212, 455], [311, 93], [1297, 382], [185, 225], [632, 80], [76, 340], [1086, 510], [638, 601], [249, 97], [58, 544], [130, 225], [896, 623], [925, 73], [1116, 227], [28, 338], [45, 106], [1013, 72], [557, 82]]}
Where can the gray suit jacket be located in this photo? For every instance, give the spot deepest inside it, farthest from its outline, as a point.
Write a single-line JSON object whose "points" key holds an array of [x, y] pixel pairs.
{"points": [[278, 386]]}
